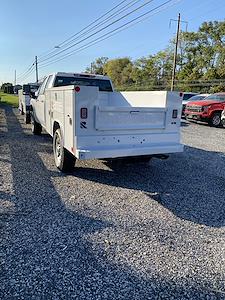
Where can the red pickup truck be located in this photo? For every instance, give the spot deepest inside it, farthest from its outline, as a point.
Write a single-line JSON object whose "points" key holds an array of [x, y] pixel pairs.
{"points": [[208, 110]]}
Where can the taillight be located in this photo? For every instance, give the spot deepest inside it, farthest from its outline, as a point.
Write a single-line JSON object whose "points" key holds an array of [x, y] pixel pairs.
{"points": [[175, 113], [83, 113], [77, 89]]}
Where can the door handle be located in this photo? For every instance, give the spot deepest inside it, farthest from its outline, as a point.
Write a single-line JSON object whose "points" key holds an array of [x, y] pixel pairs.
{"points": [[70, 119]]}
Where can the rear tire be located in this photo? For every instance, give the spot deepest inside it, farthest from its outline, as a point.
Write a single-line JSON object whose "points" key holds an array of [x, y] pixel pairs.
{"points": [[22, 111], [215, 121], [27, 118], [223, 122], [64, 160], [36, 128]]}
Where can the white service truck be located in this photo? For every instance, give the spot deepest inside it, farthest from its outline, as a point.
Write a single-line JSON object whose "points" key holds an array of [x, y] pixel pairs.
{"points": [[89, 120], [25, 98]]}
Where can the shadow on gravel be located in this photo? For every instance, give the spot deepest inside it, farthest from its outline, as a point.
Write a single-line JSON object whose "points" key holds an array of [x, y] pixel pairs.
{"points": [[45, 254], [184, 123], [190, 121], [191, 184]]}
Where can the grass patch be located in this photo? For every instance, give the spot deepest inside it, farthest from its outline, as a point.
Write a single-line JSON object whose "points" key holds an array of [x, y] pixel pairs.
{"points": [[9, 99]]}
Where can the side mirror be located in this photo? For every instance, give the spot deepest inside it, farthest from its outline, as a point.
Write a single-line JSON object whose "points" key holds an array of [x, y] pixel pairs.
{"points": [[32, 94]]}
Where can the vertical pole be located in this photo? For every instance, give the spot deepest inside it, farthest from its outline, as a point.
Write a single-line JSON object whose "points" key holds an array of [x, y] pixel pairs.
{"points": [[15, 78], [91, 68], [175, 54], [36, 68]]}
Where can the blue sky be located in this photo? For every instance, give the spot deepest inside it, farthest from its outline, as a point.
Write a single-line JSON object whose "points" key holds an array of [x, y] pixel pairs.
{"points": [[30, 28]]}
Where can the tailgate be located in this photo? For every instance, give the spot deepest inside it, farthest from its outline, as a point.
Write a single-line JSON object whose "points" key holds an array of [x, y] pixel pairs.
{"points": [[129, 118]]}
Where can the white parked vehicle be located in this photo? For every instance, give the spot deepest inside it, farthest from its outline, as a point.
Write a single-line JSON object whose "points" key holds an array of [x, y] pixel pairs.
{"points": [[185, 99], [223, 117], [25, 98], [89, 120]]}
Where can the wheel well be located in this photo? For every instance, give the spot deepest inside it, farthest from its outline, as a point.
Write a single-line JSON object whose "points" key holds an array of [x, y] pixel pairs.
{"points": [[216, 112], [55, 126]]}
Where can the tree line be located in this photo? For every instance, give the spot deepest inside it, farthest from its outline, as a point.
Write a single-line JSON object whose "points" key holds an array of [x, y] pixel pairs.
{"points": [[7, 87], [200, 64]]}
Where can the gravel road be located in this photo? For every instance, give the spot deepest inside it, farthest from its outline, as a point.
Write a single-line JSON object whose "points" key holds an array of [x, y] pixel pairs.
{"points": [[136, 231]]}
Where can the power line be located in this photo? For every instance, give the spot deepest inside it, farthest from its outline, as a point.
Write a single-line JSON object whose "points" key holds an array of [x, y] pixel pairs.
{"points": [[108, 35], [125, 7], [202, 81], [165, 85], [112, 32], [86, 27], [23, 73], [96, 32], [25, 76], [27, 72], [103, 37], [112, 16]]}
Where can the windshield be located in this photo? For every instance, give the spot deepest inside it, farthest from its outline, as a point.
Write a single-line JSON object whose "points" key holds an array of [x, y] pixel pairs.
{"points": [[197, 97], [34, 87], [217, 97], [103, 84], [187, 96]]}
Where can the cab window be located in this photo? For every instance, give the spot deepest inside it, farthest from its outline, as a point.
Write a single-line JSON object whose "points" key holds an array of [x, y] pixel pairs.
{"points": [[48, 84], [104, 85], [42, 87]]}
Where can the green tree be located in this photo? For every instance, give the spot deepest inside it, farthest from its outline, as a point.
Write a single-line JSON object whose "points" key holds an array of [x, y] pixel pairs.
{"points": [[97, 66], [201, 57], [203, 53], [7, 87], [119, 70]]}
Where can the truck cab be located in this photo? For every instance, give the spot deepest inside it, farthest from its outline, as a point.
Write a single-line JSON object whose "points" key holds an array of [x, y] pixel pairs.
{"points": [[41, 108], [25, 98]]}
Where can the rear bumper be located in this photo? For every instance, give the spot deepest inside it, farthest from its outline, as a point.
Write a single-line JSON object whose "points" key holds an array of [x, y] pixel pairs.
{"points": [[96, 153]]}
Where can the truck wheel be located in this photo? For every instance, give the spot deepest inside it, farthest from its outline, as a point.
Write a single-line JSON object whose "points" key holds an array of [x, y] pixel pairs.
{"points": [[215, 121], [21, 110], [36, 128], [64, 160], [27, 118]]}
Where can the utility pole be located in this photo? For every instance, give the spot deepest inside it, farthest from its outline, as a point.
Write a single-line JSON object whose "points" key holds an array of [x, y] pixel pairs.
{"points": [[36, 68], [175, 54], [15, 78]]}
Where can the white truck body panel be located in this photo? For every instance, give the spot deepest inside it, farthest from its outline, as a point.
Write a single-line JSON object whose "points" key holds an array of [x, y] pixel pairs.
{"points": [[25, 97], [24, 101], [117, 124]]}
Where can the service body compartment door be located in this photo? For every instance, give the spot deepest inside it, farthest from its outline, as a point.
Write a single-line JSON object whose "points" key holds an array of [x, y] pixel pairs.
{"points": [[129, 118], [69, 122], [48, 111]]}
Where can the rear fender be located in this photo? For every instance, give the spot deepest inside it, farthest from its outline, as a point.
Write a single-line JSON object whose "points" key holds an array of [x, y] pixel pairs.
{"points": [[57, 124]]}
